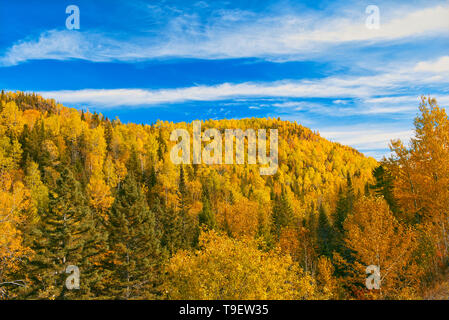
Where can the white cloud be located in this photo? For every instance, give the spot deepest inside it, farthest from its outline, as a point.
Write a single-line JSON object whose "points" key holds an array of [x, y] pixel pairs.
{"points": [[442, 99], [439, 66], [133, 97], [65, 45], [368, 138], [386, 109], [338, 101], [403, 24], [231, 35], [393, 99], [364, 88]]}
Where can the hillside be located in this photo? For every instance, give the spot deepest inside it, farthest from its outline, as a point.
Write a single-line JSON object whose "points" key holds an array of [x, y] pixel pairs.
{"points": [[83, 190]]}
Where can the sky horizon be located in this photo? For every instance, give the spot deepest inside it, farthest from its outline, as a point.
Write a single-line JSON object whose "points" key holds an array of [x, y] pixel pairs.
{"points": [[325, 65]]}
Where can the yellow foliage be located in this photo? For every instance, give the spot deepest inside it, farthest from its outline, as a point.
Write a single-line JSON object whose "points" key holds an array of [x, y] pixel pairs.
{"points": [[99, 195], [226, 268], [243, 218], [13, 206], [376, 238], [326, 281]]}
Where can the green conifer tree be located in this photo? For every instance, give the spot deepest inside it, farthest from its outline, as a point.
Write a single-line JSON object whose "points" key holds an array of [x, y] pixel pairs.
{"points": [[67, 235], [207, 216], [283, 215], [134, 242], [384, 187]]}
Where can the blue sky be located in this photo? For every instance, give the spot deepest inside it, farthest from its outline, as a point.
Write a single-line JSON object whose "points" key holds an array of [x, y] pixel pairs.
{"points": [[314, 62]]}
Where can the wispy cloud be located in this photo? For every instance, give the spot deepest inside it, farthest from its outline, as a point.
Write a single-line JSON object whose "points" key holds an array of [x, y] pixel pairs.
{"points": [[66, 45], [441, 65], [139, 97], [367, 138], [443, 100], [372, 140], [232, 35], [367, 88]]}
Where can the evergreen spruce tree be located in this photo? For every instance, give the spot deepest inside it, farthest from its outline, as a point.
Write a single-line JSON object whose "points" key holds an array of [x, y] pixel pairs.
{"points": [[152, 179], [178, 228], [283, 215], [153, 197], [182, 190], [341, 212], [350, 196], [135, 251], [187, 224], [133, 165], [31, 142], [206, 216], [345, 201], [108, 134], [162, 146], [66, 235], [384, 187]]}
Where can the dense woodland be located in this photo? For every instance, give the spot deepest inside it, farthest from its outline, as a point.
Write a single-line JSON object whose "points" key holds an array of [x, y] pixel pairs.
{"points": [[80, 189]]}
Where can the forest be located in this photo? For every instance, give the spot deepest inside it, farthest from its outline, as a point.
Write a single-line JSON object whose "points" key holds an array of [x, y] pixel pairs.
{"points": [[80, 189]]}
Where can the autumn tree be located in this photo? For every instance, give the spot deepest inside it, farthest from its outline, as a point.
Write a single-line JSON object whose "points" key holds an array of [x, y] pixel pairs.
{"points": [[14, 204], [326, 281], [420, 174], [225, 268], [376, 238]]}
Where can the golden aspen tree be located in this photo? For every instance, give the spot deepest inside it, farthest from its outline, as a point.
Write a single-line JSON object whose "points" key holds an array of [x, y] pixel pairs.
{"points": [[242, 219], [13, 206], [226, 268], [376, 238], [326, 282], [100, 197], [421, 174]]}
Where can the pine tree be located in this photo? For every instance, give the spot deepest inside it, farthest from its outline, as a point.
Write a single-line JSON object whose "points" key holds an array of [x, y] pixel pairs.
{"points": [[162, 146], [32, 141], [350, 197], [152, 179], [384, 187], [182, 190], [134, 243], [341, 212], [178, 229], [67, 235], [108, 134], [133, 165], [206, 216], [283, 215]]}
